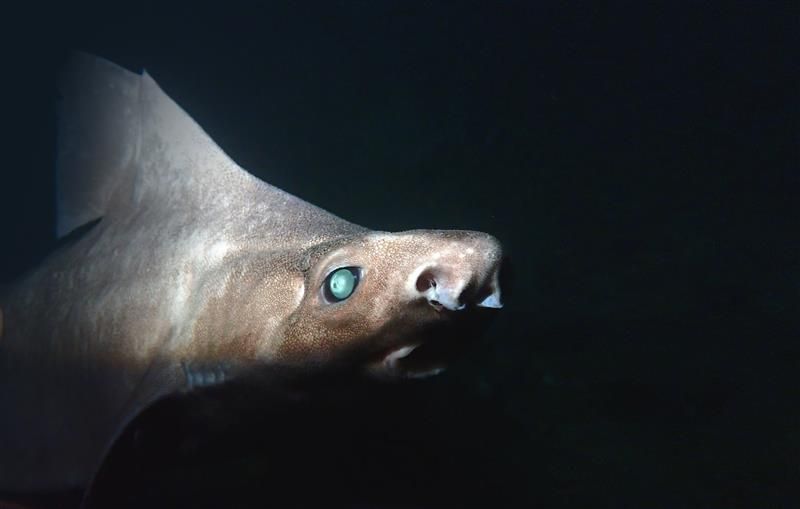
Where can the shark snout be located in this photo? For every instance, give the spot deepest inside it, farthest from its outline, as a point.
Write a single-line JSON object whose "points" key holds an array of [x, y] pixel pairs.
{"points": [[455, 272], [465, 278]]}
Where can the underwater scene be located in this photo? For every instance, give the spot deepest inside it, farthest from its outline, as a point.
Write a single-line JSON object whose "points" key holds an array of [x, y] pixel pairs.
{"points": [[401, 255]]}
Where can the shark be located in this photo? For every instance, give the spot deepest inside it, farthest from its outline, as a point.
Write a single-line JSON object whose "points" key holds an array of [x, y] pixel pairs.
{"points": [[178, 270]]}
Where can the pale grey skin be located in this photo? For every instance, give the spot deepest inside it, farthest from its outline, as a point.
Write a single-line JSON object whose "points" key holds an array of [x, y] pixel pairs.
{"points": [[196, 271]]}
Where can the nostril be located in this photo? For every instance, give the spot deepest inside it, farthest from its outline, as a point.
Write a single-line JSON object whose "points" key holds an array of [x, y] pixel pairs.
{"points": [[425, 281]]}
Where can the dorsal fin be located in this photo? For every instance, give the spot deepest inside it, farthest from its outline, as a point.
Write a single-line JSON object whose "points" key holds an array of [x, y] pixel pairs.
{"points": [[125, 146], [98, 130], [123, 141]]}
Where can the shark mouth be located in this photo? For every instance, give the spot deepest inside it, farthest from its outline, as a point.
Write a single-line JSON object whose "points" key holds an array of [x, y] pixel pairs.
{"points": [[431, 350], [413, 361]]}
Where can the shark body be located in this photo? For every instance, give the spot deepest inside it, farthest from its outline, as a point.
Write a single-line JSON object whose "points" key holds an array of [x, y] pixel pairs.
{"points": [[192, 271]]}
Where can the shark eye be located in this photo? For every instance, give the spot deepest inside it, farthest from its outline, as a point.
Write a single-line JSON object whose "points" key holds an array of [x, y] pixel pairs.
{"points": [[341, 283]]}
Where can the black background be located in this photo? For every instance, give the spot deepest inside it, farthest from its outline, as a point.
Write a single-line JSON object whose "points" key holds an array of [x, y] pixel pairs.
{"points": [[638, 161]]}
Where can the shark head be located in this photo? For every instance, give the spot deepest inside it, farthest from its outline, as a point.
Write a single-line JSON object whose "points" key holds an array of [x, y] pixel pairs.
{"points": [[406, 299], [393, 305]]}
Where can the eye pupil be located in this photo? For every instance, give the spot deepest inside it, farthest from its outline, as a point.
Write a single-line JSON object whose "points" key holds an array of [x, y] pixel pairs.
{"points": [[341, 284]]}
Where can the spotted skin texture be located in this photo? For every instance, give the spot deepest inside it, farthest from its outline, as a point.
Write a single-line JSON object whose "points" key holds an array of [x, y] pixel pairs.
{"points": [[196, 273]]}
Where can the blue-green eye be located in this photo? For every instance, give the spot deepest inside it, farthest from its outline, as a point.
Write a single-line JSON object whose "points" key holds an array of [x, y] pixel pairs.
{"points": [[341, 283]]}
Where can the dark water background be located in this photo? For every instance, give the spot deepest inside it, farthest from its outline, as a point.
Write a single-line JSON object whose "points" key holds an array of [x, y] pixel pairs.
{"points": [[640, 165]]}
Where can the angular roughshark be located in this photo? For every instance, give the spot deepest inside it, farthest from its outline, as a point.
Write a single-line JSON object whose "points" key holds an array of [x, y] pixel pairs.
{"points": [[184, 271]]}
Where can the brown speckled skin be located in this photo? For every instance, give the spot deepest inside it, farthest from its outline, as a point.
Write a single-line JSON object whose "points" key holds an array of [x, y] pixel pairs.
{"points": [[195, 262]]}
